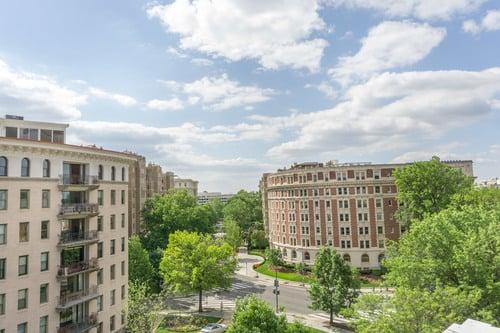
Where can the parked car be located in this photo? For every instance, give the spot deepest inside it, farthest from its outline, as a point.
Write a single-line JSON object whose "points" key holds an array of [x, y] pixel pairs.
{"points": [[214, 328]]}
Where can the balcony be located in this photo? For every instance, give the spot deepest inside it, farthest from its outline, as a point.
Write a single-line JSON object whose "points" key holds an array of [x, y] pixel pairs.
{"points": [[78, 210], [78, 267], [77, 182], [83, 326], [71, 239], [70, 299]]}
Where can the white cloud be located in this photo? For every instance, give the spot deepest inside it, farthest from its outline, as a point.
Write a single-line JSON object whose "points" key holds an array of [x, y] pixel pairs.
{"points": [[275, 33], [165, 105], [202, 62], [37, 96], [421, 9], [388, 45], [391, 110], [325, 88], [220, 93], [124, 100], [490, 22], [173, 51]]}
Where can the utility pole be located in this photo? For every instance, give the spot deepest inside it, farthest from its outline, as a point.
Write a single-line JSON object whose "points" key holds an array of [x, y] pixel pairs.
{"points": [[276, 290]]}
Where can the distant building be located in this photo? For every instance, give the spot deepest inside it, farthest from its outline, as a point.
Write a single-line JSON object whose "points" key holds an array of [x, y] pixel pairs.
{"points": [[493, 182], [348, 206], [204, 197], [472, 326], [137, 192], [190, 185]]}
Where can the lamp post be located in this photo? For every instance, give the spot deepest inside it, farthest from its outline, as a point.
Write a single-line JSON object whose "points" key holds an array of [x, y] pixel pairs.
{"points": [[276, 290]]}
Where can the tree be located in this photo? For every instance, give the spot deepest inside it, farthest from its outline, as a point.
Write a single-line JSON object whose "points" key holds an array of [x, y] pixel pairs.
{"points": [[253, 315], [414, 311], [232, 234], [275, 258], [193, 262], [258, 239], [140, 269], [246, 209], [334, 283], [426, 188], [455, 248], [143, 309], [217, 207]]}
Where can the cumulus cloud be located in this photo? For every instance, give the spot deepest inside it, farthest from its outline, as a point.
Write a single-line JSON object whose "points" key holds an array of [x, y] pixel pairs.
{"points": [[421, 9], [275, 33], [123, 100], [202, 62], [37, 96], [388, 45], [165, 105], [390, 110], [490, 22], [324, 87]]}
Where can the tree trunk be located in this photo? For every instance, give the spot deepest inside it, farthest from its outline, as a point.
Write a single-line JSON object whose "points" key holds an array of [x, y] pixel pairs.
{"points": [[200, 301], [331, 317]]}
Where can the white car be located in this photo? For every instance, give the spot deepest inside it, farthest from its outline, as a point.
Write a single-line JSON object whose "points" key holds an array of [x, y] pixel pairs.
{"points": [[214, 328]]}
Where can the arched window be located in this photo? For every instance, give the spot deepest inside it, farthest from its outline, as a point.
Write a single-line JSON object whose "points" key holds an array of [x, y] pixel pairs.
{"points": [[284, 253], [347, 258], [100, 172], [123, 174], [381, 257], [113, 173], [365, 258], [294, 254], [3, 166], [25, 167], [307, 256], [46, 168]]}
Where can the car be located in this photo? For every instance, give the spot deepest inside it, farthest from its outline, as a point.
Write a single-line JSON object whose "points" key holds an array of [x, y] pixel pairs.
{"points": [[214, 328]]}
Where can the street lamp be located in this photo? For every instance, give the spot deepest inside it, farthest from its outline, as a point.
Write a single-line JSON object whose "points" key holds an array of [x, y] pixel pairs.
{"points": [[276, 290]]}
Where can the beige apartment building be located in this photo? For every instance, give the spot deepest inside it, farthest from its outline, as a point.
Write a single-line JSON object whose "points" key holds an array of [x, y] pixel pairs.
{"points": [[349, 207], [189, 185], [63, 232]]}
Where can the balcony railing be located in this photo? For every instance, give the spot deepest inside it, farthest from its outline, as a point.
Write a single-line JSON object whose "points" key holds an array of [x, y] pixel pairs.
{"points": [[68, 237], [69, 299], [68, 209], [78, 267], [85, 324], [78, 180]]}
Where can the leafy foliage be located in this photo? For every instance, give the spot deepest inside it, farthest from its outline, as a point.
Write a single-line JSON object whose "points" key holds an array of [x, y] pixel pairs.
{"points": [[140, 269], [334, 285], [426, 188], [143, 309], [246, 209], [258, 239], [193, 262], [232, 233], [275, 258]]}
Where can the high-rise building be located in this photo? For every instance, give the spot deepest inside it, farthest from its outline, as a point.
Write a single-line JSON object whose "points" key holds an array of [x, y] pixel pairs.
{"points": [[137, 193], [189, 185], [349, 207], [63, 232]]}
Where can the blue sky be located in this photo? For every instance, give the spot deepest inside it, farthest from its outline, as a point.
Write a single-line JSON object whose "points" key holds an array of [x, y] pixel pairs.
{"points": [[223, 91]]}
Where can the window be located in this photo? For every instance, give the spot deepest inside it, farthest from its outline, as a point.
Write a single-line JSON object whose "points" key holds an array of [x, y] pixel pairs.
{"points": [[123, 267], [378, 203], [24, 199], [4, 164], [46, 168], [46, 135], [24, 228], [380, 230], [379, 216], [123, 197], [3, 234], [22, 299], [376, 174], [3, 199], [365, 258], [112, 323], [44, 261], [113, 173], [377, 189], [2, 304], [99, 276], [99, 303], [112, 222], [123, 220], [112, 298], [113, 197], [112, 247], [123, 292], [123, 244], [3, 268], [100, 172], [347, 258], [44, 293], [25, 167], [99, 223], [99, 250], [381, 243], [364, 244], [45, 198], [44, 323], [123, 174], [22, 328], [100, 197], [112, 272]]}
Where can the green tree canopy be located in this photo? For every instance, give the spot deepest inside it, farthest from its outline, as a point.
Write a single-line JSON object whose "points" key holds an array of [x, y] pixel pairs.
{"points": [[426, 188], [253, 315], [193, 262], [140, 269], [275, 258], [246, 209], [258, 239], [232, 233], [334, 284], [143, 309]]}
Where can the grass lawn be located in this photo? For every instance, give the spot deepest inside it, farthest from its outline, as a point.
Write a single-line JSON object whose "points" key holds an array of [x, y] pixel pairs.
{"points": [[257, 252], [209, 319]]}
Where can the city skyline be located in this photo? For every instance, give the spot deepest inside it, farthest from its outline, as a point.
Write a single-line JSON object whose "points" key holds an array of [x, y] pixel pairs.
{"points": [[223, 98]]}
